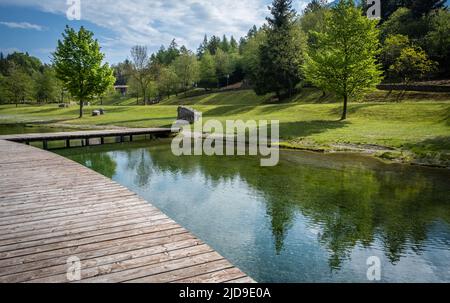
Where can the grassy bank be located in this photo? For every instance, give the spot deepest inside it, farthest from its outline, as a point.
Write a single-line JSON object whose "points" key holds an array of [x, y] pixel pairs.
{"points": [[413, 129]]}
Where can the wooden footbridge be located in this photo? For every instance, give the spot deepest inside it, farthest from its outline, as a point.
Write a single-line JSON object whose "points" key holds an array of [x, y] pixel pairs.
{"points": [[87, 136], [55, 212]]}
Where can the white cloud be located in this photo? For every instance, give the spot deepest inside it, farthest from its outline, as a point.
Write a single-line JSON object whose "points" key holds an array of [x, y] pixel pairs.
{"points": [[156, 22], [22, 25]]}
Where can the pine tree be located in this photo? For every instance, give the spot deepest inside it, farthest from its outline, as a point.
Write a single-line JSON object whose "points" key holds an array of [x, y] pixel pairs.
{"points": [[203, 47], [224, 45], [282, 54], [424, 7]]}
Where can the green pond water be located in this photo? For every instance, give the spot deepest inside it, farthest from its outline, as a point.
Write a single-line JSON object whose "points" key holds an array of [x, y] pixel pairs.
{"points": [[312, 218]]}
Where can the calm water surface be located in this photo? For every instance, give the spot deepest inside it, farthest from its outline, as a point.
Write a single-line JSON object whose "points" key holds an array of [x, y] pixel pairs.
{"points": [[313, 218]]}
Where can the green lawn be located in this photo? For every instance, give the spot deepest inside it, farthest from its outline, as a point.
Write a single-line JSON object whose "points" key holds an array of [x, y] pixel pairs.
{"points": [[419, 126]]}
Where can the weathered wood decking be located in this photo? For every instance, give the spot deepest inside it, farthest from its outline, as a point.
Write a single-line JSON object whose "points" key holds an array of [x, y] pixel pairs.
{"points": [[52, 208], [86, 135]]}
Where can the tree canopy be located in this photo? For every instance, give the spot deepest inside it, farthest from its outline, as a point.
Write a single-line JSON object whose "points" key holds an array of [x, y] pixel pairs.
{"points": [[79, 65], [344, 61]]}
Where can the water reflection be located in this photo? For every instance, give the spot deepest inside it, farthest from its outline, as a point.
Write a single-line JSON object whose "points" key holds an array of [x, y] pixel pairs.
{"points": [[312, 218]]}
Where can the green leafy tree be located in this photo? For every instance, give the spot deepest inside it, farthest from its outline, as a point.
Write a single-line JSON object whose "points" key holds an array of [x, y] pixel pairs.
{"points": [[412, 64], [168, 81], [438, 40], [392, 48], [18, 84], [251, 60], [313, 20], [187, 69], [345, 61], [224, 65], [207, 69], [403, 22], [105, 84], [27, 63], [79, 64], [45, 86], [281, 56]]}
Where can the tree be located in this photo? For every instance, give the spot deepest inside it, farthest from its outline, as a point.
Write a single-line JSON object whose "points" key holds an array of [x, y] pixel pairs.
{"points": [[203, 47], [168, 81], [314, 6], [78, 64], [281, 56], [224, 44], [438, 40], [207, 69], [420, 8], [251, 61], [223, 64], [3, 96], [412, 64], [234, 47], [140, 69], [213, 45], [104, 84], [313, 20], [403, 22], [45, 86], [18, 84], [345, 61], [392, 48], [27, 63], [187, 69]]}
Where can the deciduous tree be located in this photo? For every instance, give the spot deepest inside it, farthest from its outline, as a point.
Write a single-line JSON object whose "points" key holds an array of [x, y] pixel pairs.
{"points": [[345, 60], [79, 64]]}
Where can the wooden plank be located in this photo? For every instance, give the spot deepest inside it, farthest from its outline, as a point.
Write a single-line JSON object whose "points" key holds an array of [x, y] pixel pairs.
{"points": [[52, 208]]}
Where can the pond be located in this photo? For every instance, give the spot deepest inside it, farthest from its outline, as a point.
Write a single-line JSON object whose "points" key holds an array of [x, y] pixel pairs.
{"points": [[312, 218]]}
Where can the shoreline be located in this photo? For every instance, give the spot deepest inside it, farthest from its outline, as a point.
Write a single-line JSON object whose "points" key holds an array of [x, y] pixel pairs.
{"points": [[388, 155]]}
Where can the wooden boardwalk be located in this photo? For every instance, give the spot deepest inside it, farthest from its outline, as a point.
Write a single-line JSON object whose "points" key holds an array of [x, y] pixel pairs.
{"points": [[86, 135], [52, 208]]}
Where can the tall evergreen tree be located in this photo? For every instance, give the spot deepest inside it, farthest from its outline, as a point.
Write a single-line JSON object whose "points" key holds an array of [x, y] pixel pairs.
{"points": [[224, 45], [213, 45], [203, 47], [282, 54], [424, 7]]}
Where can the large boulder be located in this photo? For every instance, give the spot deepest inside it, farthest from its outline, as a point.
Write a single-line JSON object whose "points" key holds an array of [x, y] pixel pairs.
{"points": [[188, 114]]}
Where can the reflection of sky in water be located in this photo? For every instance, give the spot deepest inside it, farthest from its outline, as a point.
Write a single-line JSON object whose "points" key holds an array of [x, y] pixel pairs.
{"points": [[233, 216]]}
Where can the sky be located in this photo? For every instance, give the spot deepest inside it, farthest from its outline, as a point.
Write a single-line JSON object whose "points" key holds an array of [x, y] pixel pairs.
{"points": [[34, 26]]}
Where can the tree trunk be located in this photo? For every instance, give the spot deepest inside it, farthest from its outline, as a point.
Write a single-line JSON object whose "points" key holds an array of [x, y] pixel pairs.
{"points": [[344, 112], [81, 109]]}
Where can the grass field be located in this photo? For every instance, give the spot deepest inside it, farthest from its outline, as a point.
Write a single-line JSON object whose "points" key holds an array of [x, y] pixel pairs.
{"points": [[416, 125]]}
